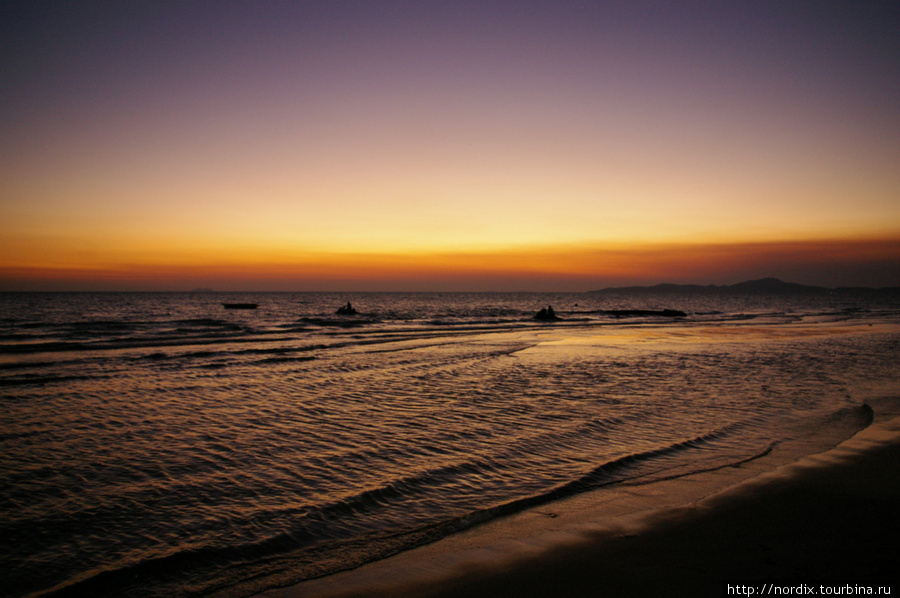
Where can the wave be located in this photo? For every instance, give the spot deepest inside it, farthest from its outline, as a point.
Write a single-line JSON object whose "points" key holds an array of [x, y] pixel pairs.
{"points": [[205, 323], [621, 470], [63, 346], [340, 322], [39, 380], [300, 544], [317, 547]]}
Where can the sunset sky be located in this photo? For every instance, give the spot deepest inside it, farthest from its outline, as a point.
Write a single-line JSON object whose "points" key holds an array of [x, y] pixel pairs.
{"points": [[345, 145]]}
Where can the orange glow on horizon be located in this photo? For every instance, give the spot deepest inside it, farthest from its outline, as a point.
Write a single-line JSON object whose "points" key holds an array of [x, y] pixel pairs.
{"points": [[576, 267]]}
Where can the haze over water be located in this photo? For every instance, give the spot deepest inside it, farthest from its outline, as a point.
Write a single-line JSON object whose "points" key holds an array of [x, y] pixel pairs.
{"points": [[160, 445]]}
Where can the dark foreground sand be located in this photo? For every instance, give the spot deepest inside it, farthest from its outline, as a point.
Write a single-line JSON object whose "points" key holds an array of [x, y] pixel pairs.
{"points": [[830, 518]]}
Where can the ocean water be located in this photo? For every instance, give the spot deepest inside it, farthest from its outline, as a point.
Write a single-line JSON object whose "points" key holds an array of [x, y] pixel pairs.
{"points": [[158, 444]]}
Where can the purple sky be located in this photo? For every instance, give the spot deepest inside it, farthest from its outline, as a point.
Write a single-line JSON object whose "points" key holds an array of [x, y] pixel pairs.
{"points": [[153, 136]]}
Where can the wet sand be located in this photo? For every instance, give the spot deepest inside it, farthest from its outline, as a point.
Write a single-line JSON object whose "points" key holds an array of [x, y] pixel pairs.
{"points": [[832, 517]]}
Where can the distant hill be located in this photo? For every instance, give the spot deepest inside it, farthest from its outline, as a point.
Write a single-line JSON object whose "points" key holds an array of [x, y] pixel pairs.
{"points": [[763, 286]]}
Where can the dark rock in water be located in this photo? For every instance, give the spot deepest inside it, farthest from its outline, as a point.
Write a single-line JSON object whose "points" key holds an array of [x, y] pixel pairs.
{"points": [[625, 313], [240, 305], [546, 314], [346, 310]]}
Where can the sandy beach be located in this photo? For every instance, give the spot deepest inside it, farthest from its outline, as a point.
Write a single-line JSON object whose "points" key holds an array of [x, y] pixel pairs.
{"points": [[829, 518]]}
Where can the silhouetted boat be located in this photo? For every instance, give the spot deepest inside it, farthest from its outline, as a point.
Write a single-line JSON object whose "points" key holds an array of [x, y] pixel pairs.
{"points": [[546, 314], [240, 305], [346, 310]]}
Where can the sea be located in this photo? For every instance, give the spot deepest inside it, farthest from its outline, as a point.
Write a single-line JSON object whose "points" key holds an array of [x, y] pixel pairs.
{"points": [[161, 445]]}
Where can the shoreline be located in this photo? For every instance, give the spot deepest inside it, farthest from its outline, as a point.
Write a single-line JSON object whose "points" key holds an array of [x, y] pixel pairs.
{"points": [[827, 516]]}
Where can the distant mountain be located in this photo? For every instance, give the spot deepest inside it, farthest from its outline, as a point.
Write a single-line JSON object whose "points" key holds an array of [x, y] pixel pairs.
{"points": [[773, 286], [763, 286]]}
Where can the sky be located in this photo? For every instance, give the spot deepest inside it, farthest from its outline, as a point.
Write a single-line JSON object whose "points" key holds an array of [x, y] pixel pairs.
{"points": [[549, 146]]}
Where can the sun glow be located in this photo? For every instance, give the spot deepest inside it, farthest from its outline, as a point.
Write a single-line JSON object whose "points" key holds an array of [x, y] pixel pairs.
{"points": [[328, 150]]}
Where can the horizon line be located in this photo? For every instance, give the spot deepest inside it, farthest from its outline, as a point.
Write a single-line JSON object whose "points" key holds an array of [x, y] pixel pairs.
{"points": [[205, 290]]}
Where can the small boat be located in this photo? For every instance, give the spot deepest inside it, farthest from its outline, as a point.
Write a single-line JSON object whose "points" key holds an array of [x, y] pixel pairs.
{"points": [[240, 305], [346, 310], [546, 314]]}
